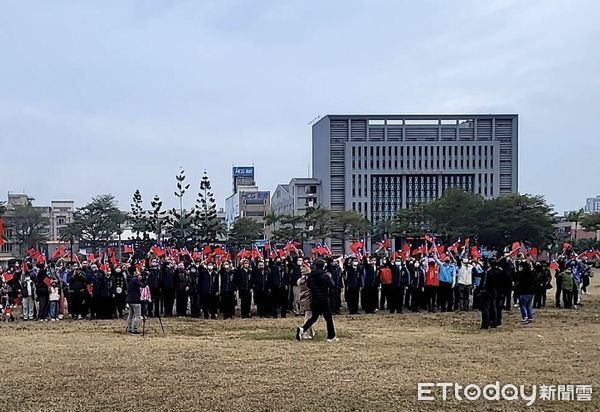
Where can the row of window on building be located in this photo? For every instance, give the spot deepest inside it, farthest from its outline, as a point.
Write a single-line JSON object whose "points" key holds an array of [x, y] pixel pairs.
{"points": [[423, 157]]}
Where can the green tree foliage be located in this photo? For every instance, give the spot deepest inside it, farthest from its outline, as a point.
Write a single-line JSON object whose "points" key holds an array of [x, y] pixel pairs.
{"points": [[98, 221], [179, 220], [575, 217], [29, 226], [386, 228], [455, 214], [516, 217], [244, 232], [412, 221], [349, 225], [139, 223], [290, 227], [591, 221], [207, 226], [157, 219], [319, 224]]}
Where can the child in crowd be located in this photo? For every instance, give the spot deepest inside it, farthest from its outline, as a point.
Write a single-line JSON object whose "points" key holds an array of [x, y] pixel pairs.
{"points": [[54, 298]]}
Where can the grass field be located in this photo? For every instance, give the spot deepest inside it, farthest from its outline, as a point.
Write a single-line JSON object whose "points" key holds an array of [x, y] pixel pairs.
{"points": [[256, 364]]}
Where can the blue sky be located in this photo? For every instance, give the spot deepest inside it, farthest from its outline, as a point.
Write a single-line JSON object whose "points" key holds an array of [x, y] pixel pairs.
{"points": [[111, 96]]}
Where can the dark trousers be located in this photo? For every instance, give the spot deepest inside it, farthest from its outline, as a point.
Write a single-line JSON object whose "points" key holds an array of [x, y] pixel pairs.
{"points": [[557, 296], [369, 299], [430, 296], [507, 302], [445, 297], [415, 297], [463, 291], [209, 309], [321, 309], [77, 307], [245, 298], [154, 310], [168, 297], [487, 305], [539, 299], [195, 304], [575, 294], [105, 307], [387, 296], [279, 301], [261, 300], [337, 300], [182, 301], [44, 306], [567, 296], [352, 295], [228, 304]]}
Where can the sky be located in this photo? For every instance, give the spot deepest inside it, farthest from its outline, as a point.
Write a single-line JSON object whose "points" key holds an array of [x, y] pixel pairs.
{"points": [[112, 96]]}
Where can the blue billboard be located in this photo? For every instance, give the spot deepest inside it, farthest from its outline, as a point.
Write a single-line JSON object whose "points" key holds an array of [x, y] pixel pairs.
{"points": [[243, 171]]}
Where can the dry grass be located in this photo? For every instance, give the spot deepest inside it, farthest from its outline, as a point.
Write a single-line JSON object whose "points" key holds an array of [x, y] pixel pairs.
{"points": [[256, 365]]}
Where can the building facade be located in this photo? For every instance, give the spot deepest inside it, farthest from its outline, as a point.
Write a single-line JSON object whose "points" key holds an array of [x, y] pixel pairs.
{"points": [[377, 164], [592, 205], [296, 197]]}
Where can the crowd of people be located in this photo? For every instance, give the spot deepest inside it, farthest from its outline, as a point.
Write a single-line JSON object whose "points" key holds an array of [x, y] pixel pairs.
{"points": [[295, 285]]}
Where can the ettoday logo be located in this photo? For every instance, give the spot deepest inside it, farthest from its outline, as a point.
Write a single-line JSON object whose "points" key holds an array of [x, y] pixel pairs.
{"points": [[497, 392]]}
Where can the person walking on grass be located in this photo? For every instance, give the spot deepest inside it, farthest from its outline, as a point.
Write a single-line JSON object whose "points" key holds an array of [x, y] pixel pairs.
{"points": [[319, 282], [304, 300]]}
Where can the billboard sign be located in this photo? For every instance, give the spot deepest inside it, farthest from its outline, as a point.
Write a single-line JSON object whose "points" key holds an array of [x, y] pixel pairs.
{"points": [[243, 171], [255, 198]]}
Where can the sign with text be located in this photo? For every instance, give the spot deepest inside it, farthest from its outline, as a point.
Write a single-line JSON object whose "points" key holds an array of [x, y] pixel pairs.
{"points": [[243, 171]]}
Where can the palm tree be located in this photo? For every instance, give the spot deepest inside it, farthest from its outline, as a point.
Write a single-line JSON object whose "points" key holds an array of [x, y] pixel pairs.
{"points": [[575, 217]]}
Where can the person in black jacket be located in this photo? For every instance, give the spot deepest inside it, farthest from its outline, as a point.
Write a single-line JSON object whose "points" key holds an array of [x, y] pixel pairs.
{"points": [[320, 283], [353, 281], [104, 295], [333, 266], [491, 297], [371, 285], [181, 283], [526, 288], [278, 283], [77, 287], [41, 287], [243, 281], [168, 287], [154, 282], [209, 289], [119, 283], [228, 288], [260, 276], [194, 290]]}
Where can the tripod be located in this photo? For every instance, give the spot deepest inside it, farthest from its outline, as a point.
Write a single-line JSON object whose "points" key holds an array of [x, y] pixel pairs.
{"points": [[144, 324]]}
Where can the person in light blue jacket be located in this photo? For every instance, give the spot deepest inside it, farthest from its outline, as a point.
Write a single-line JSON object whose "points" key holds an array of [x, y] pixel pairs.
{"points": [[447, 277]]}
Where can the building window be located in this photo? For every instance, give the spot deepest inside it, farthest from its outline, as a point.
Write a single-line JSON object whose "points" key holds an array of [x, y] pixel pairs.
{"points": [[6, 248], [61, 220]]}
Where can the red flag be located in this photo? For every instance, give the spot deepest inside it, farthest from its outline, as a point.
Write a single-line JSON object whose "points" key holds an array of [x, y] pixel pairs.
{"points": [[566, 246], [128, 249], [475, 252], [196, 256], [41, 259], [418, 251], [356, 246], [533, 251], [59, 253], [467, 243], [207, 250], [554, 266], [90, 257], [7, 277], [515, 249], [406, 250], [454, 247]]}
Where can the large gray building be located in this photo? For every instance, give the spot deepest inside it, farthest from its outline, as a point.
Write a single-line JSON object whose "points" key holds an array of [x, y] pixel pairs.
{"points": [[377, 164], [296, 197]]}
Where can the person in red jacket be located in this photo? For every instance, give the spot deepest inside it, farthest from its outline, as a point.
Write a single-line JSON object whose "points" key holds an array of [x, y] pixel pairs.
{"points": [[385, 278], [432, 282]]}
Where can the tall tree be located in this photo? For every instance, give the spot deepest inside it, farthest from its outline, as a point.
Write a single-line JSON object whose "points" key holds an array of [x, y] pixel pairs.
{"points": [[2, 208], [97, 222], [386, 228], [290, 227], [206, 223], [319, 224], [180, 220], [29, 226], [575, 217], [412, 221], [349, 226], [137, 218], [244, 232], [157, 219], [516, 217], [455, 214], [591, 221]]}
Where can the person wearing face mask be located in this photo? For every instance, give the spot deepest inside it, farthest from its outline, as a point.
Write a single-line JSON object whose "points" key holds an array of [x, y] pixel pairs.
{"points": [[259, 286], [154, 280], [416, 285], [447, 278], [386, 279], [400, 278], [278, 283], [194, 290], [209, 289], [119, 282], [370, 288], [228, 288], [92, 287], [464, 281], [336, 292], [243, 280], [182, 286], [354, 282], [167, 287]]}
